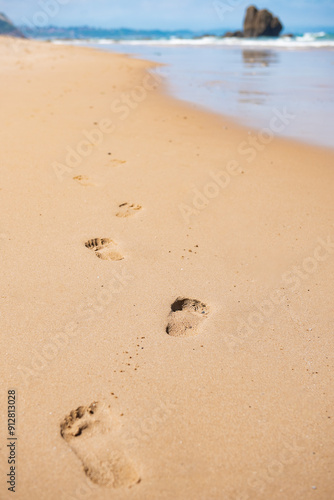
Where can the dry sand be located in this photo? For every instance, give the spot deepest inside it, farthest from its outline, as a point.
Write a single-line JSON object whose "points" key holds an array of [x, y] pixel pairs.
{"points": [[236, 403]]}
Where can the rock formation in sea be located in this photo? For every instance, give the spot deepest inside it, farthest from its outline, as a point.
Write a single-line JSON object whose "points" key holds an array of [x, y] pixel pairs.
{"points": [[258, 23]]}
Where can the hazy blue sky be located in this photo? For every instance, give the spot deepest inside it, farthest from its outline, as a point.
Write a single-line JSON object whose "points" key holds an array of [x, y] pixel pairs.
{"points": [[170, 14]]}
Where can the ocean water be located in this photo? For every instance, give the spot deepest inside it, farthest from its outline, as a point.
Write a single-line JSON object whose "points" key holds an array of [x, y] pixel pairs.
{"points": [[306, 37], [248, 80]]}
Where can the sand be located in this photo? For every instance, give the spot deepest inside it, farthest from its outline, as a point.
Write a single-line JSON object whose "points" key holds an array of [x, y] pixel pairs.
{"points": [[126, 214]]}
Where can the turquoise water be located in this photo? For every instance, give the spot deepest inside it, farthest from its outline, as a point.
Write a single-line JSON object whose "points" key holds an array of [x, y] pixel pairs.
{"points": [[249, 80], [308, 36]]}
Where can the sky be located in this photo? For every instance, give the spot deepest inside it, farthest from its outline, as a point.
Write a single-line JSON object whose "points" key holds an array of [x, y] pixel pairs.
{"points": [[164, 14]]}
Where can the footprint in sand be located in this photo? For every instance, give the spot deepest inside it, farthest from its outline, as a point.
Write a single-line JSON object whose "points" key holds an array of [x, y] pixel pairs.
{"points": [[93, 433], [83, 180], [116, 163], [128, 209], [104, 248], [186, 317]]}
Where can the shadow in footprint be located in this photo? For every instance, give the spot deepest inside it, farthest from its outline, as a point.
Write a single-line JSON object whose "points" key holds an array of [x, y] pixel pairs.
{"points": [[93, 435], [104, 248], [186, 317], [128, 209]]}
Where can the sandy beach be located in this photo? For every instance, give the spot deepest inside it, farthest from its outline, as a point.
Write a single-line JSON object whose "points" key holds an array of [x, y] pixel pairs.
{"points": [[167, 290]]}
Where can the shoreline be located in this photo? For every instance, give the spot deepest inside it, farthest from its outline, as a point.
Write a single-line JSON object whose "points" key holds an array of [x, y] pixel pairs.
{"points": [[101, 162], [242, 84]]}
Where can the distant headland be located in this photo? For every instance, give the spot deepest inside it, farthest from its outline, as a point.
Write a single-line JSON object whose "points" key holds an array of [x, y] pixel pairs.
{"points": [[7, 28]]}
